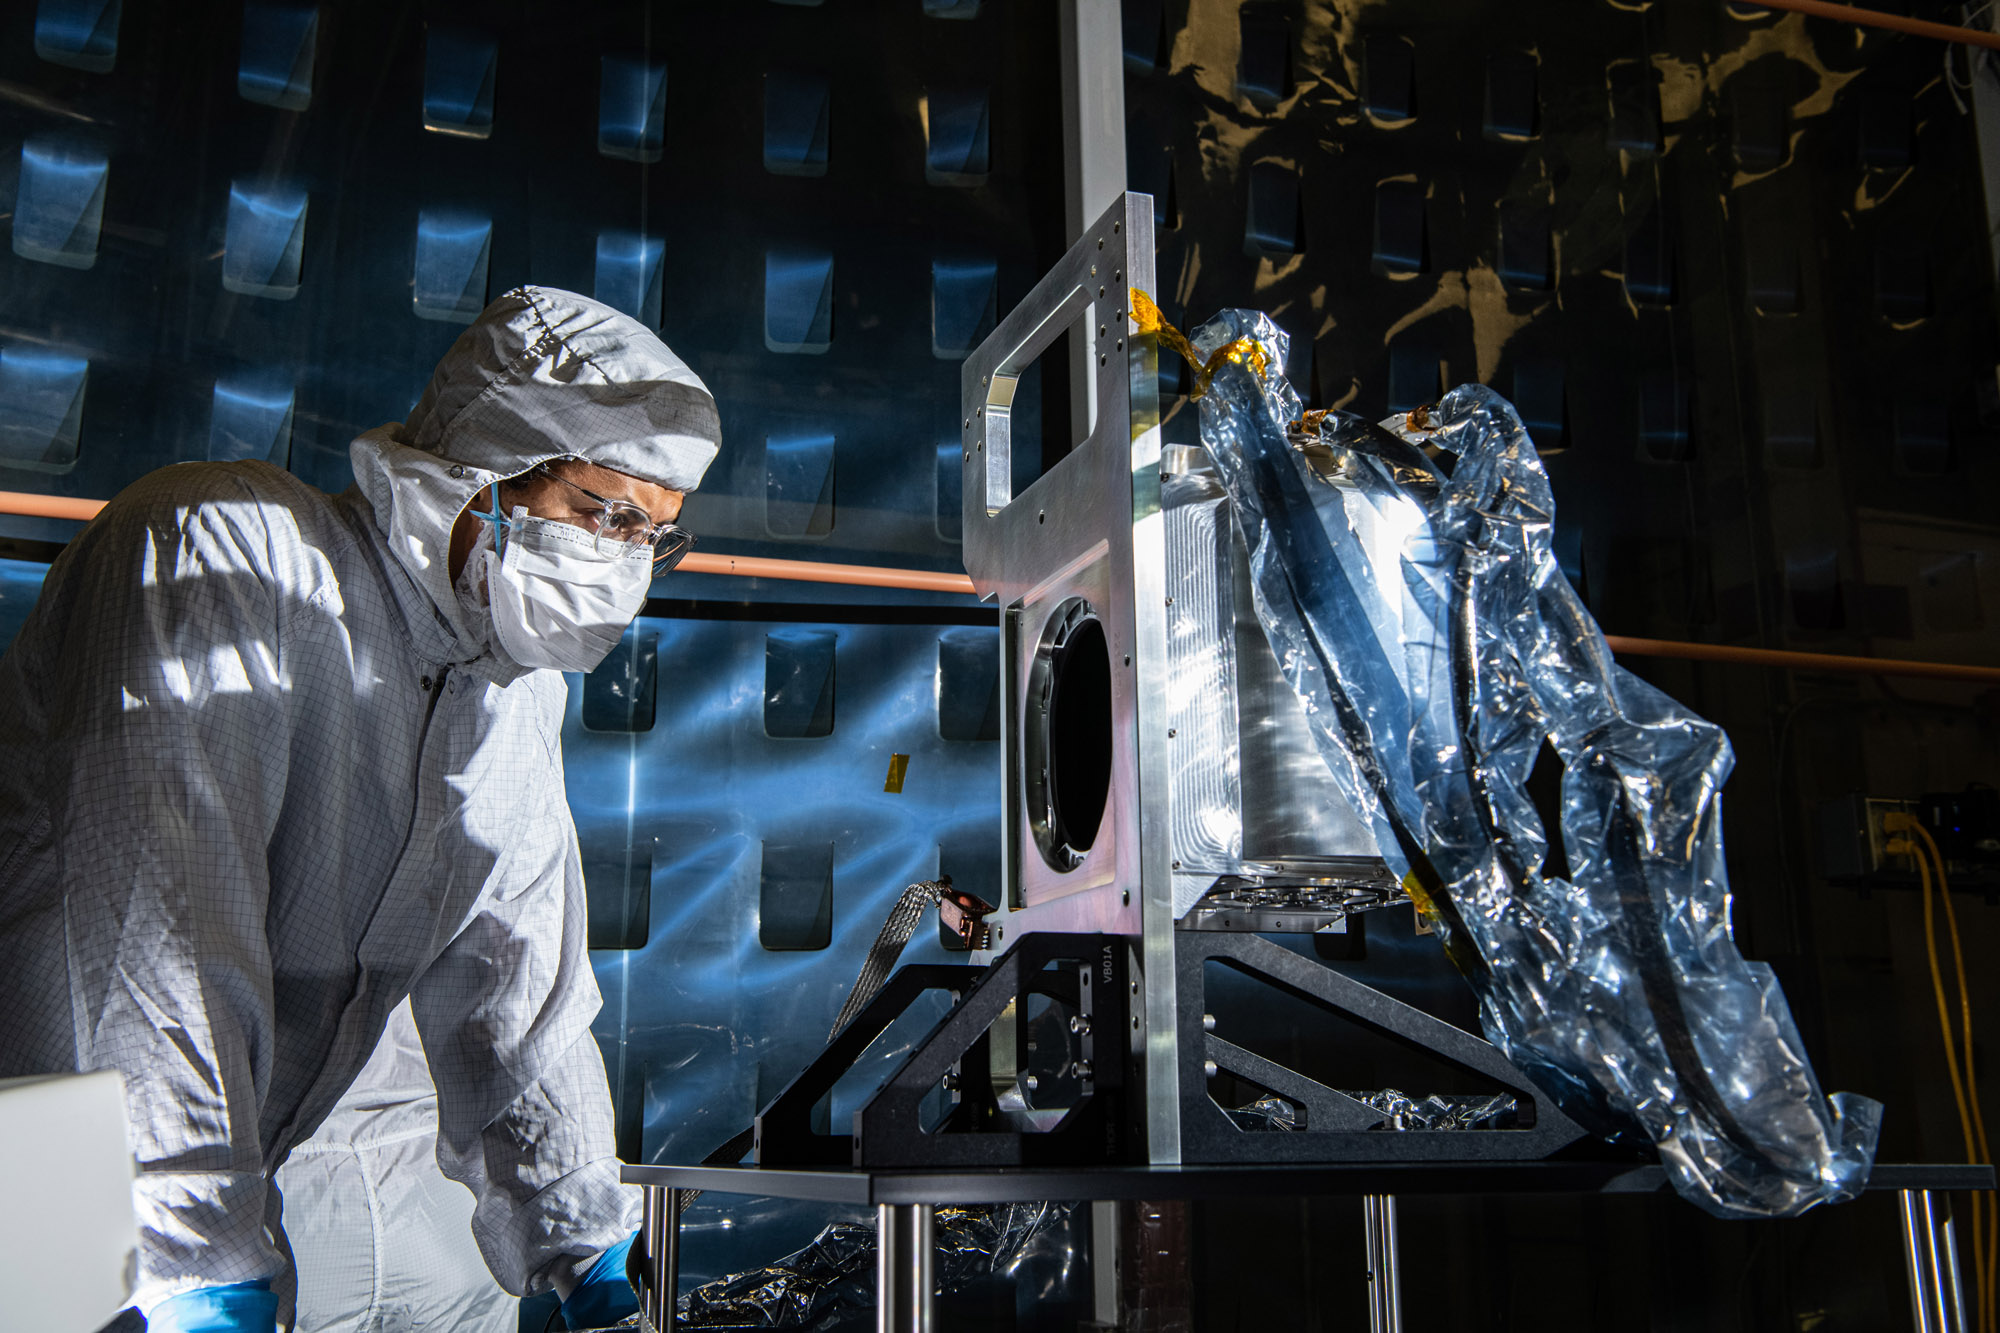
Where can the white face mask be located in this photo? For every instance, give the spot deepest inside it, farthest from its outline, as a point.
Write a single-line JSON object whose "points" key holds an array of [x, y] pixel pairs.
{"points": [[555, 601]]}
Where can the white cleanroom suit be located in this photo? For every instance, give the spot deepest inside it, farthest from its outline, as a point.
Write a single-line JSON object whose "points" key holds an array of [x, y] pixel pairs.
{"points": [[381, 1239], [262, 777]]}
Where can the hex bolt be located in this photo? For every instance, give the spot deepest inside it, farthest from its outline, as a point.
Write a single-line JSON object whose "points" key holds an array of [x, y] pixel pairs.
{"points": [[1208, 1022], [1079, 1025], [950, 1082], [1208, 1069], [1031, 1082], [1083, 1069]]}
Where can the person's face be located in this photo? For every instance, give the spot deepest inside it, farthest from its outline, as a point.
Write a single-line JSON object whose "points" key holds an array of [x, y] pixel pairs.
{"points": [[546, 497]]}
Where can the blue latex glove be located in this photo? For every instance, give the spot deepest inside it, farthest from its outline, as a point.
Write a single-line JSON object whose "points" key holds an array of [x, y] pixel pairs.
{"points": [[239, 1307], [604, 1296]]}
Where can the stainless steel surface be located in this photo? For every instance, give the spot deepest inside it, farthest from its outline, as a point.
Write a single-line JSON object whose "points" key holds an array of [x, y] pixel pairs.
{"points": [[1104, 1259], [1385, 1292], [660, 1253], [904, 1245], [1087, 529], [1930, 1253], [1252, 799]]}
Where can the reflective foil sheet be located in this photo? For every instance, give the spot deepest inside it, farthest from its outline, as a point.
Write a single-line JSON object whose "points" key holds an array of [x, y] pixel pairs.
{"points": [[830, 1284], [1431, 681]]}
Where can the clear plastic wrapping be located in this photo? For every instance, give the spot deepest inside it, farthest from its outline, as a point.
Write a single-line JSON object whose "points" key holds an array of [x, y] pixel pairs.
{"points": [[832, 1280], [1431, 682]]}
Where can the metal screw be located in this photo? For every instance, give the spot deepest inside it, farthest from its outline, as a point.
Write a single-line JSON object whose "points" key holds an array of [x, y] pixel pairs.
{"points": [[1208, 1022], [1083, 1069], [1128, 659], [1100, 245], [1135, 1024], [1116, 226], [1121, 344], [1177, 865], [1208, 1069], [1172, 732], [1135, 988], [1170, 601], [1093, 267], [1101, 358], [1031, 1082], [949, 1082], [1118, 274], [1080, 1025]]}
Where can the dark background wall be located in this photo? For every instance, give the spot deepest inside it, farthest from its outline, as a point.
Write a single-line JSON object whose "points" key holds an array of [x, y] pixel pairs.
{"points": [[1731, 264]]}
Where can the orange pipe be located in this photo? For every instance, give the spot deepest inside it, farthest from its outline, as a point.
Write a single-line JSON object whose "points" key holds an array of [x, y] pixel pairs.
{"points": [[810, 571], [1771, 657], [48, 506], [923, 580], [1870, 18]]}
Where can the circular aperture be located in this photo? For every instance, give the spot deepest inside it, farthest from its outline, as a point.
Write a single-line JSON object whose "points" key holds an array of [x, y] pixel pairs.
{"points": [[1069, 734]]}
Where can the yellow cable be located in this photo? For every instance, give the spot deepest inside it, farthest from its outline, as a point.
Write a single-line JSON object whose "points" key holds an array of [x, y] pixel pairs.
{"points": [[1900, 823], [1972, 1122], [1986, 1293], [1986, 1303]]}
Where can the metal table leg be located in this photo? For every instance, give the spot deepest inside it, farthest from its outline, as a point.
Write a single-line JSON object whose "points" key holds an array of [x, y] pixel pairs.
{"points": [[1930, 1250], [903, 1247], [1385, 1291], [660, 1241]]}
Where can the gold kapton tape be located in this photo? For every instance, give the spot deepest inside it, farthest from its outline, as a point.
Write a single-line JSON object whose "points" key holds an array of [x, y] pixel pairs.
{"points": [[1243, 351], [899, 764]]}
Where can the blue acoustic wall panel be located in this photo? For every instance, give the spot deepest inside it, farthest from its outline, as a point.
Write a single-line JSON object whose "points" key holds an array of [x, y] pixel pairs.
{"points": [[1400, 242], [1264, 59], [1273, 224], [963, 292], [799, 484], [1540, 398], [20, 585], [622, 695], [774, 862], [798, 301], [1513, 103], [968, 684], [950, 510], [252, 418], [797, 123], [454, 252], [798, 683], [632, 109], [1389, 63], [628, 275], [958, 143], [263, 246], [275, 65], [82, 34], [59, 207], [41, 408], [460, 65]]}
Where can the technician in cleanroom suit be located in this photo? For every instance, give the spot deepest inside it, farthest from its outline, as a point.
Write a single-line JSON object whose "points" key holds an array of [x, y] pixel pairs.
{"points": [[271, 761]]}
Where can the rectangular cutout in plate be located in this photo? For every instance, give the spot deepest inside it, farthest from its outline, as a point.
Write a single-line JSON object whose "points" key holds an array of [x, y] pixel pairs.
{"points": [[1042, 403]]}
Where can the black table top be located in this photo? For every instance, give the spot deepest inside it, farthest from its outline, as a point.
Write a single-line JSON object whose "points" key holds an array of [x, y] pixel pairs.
{"points": [[1030, 1183]]}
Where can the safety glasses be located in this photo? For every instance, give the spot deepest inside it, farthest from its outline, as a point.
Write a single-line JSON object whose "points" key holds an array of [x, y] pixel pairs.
{"points": [[620, 525]]}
